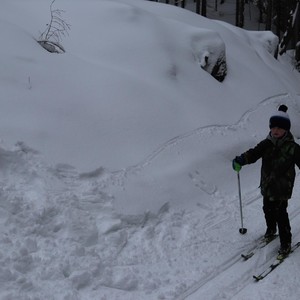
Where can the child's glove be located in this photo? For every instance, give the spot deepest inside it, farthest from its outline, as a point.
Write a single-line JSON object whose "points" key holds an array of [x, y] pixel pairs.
{"points": [[238, 162]]}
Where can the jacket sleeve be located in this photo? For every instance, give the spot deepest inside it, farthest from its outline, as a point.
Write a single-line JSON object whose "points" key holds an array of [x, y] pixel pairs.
{"points": [[297, 155], [253, 154]]}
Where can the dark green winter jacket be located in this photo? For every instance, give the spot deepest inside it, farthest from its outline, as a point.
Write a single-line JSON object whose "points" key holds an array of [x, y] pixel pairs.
{"points": [[279, 157]]}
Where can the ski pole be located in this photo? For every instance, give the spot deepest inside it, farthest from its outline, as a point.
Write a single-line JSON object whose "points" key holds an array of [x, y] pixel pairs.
{"points": [[242, 230]]}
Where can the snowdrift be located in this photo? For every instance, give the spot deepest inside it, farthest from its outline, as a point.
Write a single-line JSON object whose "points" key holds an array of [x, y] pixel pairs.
{"points": [[132, 77]]}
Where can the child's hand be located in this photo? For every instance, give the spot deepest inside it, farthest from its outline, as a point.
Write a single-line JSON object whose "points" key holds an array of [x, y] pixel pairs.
{"points": [[237, 163]]}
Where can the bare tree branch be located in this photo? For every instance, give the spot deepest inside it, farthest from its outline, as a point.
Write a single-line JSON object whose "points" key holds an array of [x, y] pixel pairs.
{"points": [[56, 29]]}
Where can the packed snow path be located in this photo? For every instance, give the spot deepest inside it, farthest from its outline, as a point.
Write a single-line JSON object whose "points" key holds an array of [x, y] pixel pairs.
{"points": [[66, 235]]}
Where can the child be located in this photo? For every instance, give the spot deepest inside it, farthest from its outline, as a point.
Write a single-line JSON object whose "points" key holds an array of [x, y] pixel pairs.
{"points": [[279, 153]]}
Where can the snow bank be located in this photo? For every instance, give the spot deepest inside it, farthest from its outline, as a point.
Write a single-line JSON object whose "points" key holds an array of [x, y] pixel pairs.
{"points": [[137, 72]]}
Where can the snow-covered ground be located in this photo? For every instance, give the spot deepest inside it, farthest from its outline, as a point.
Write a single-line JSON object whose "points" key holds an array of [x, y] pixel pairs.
{"points": [[115, 157]]}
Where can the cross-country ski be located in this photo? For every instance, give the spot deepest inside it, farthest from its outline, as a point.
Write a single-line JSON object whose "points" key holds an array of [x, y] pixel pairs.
{"points": [[279, 260], [263, 242]]}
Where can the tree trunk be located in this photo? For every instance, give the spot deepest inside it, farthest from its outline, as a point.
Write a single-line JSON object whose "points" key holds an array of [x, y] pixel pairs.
{"points": [[239, 13], [198, 7], [242, 9], [260, 7], [203, 9], [289, 33], [297, 52], [269, 15]]}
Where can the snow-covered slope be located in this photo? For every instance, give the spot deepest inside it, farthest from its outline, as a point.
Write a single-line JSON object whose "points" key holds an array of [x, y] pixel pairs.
{"points": [[135, 67], [115, 157]]}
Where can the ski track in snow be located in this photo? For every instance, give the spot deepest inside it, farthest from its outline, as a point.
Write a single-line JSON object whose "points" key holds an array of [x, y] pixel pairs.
{"points": [[119, 176], [213, 130], [222, 284], [44, 208]]}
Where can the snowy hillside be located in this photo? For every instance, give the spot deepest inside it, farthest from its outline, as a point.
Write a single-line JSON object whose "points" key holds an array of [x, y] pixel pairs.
{"points": [[115, 157]]}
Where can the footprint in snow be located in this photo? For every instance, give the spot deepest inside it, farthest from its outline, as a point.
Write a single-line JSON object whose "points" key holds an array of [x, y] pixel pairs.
{"points": [[210, 189]]}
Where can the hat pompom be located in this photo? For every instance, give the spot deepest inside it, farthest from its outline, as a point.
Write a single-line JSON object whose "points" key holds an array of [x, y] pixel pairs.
{"points": [[283, 108]]}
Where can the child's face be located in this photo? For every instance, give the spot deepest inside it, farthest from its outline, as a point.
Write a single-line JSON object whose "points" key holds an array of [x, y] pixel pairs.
{"points": [[277, 132]]}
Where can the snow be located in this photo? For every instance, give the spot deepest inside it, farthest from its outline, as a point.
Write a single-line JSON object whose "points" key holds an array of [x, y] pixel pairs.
{"points": [[115, 157]]}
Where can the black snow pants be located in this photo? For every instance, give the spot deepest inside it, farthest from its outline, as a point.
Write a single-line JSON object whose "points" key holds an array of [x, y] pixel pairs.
{"points": [[276, 214]]}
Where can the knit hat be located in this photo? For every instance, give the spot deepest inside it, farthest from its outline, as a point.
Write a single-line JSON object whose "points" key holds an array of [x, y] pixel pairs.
{"points": [[281, 119]]}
